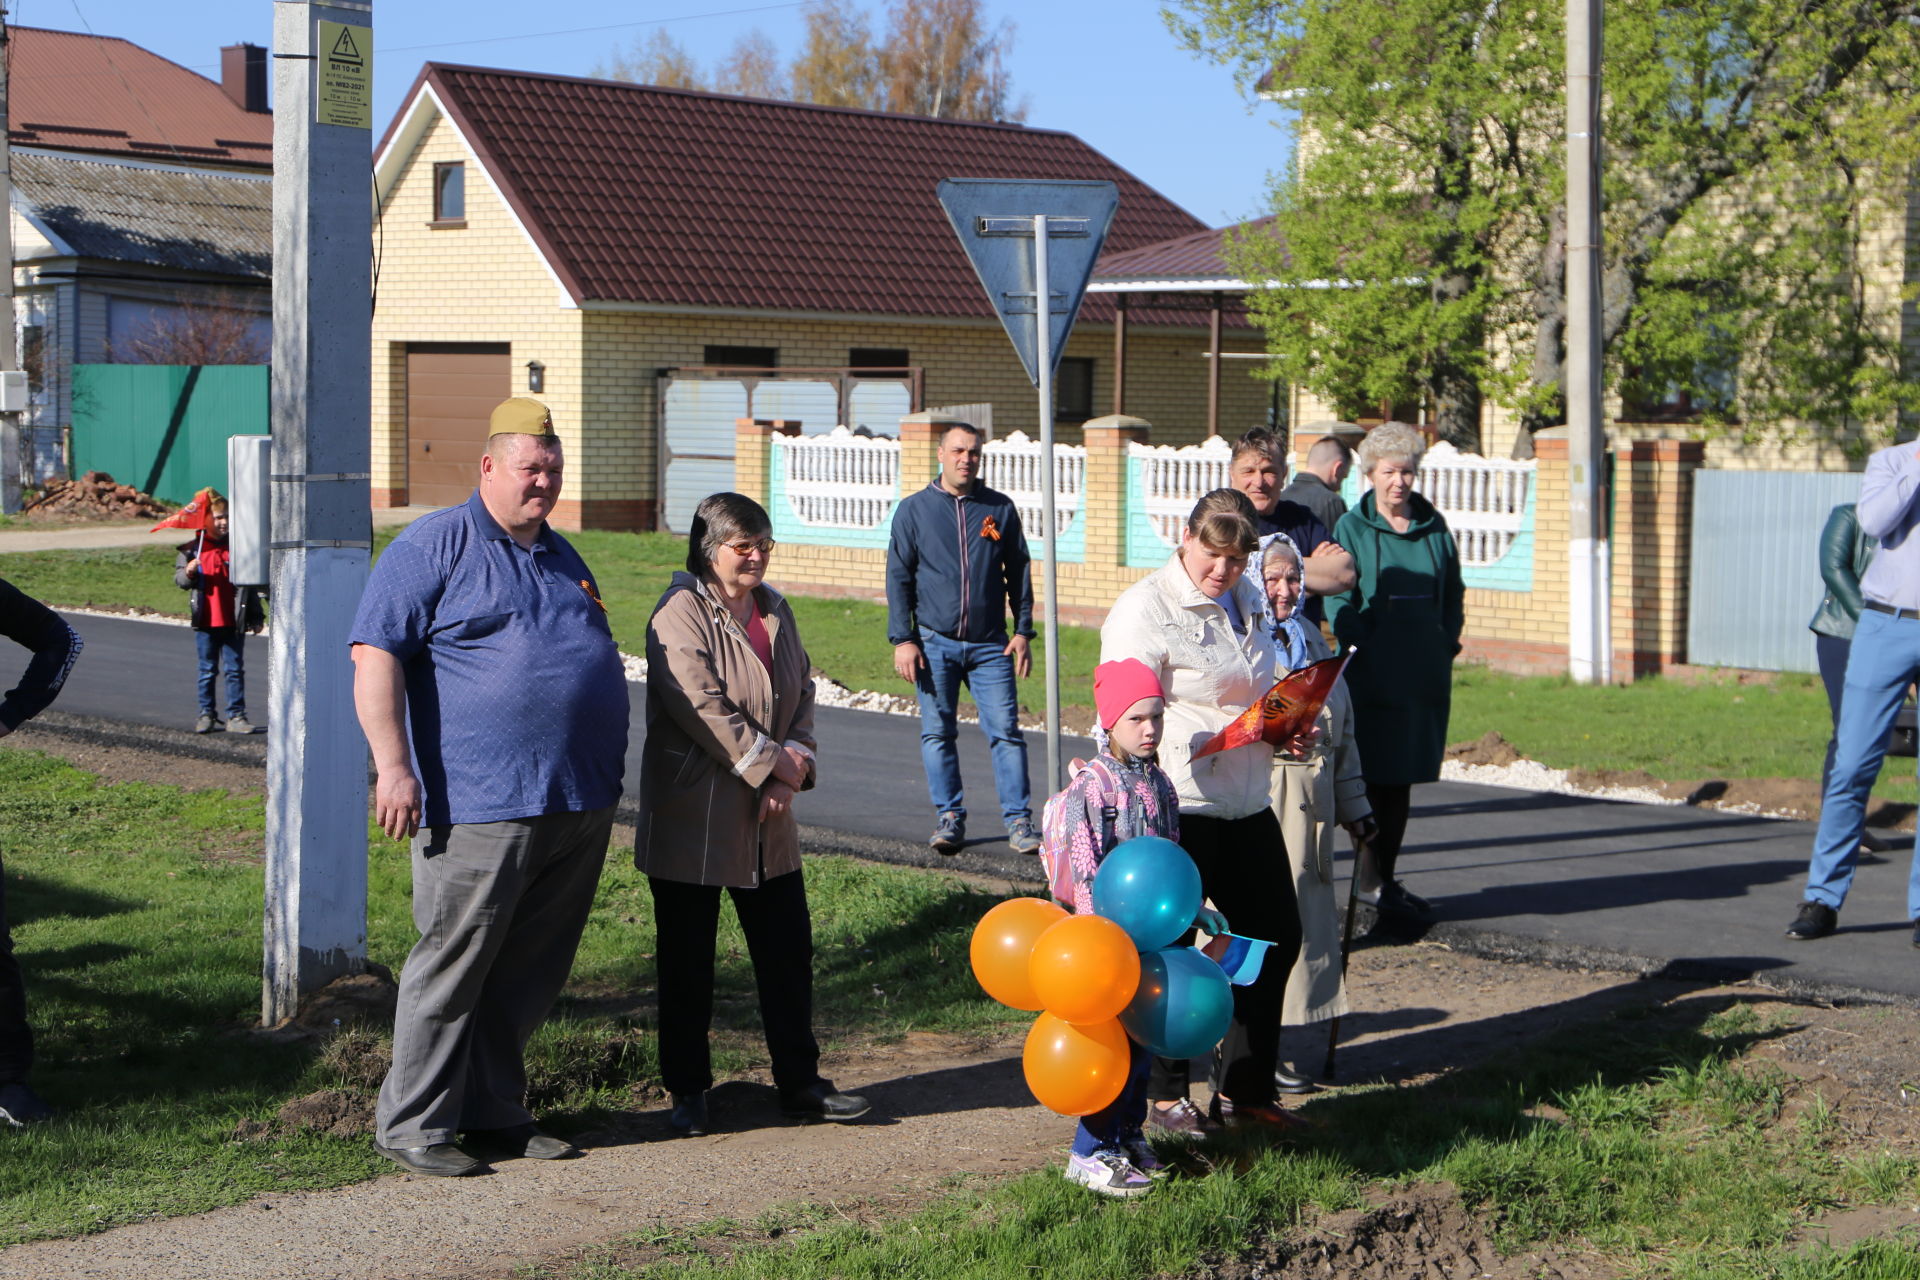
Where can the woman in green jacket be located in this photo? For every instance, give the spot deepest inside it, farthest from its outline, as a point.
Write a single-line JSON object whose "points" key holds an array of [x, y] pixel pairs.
{"points": [[1404, 615]]}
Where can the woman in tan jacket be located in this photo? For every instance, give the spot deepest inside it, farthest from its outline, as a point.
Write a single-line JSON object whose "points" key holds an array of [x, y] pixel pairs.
{"points": [[729, 743]]}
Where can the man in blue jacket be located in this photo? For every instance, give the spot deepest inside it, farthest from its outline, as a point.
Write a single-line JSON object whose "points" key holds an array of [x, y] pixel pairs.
{"points": [[956, 563]]}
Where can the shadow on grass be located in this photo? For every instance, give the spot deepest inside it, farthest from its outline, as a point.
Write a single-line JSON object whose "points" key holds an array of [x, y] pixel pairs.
{"points": [[30, 898]]}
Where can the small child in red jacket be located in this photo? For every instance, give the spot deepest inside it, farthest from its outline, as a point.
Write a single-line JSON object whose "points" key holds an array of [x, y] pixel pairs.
{"points": [[1118, 795]]}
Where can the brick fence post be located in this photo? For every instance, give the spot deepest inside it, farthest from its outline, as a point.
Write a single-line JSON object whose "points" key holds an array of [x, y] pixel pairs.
{"points": [[1104, 502], [1652, 552], [753, 453]]}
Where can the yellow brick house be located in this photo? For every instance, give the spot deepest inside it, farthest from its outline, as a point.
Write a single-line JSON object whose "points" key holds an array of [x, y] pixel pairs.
{"points": [[655, 263]]}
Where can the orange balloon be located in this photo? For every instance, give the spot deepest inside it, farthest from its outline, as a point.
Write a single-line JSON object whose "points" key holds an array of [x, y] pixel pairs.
{"points": [[1075, 1070], [1085, 969], [1003, 944]]}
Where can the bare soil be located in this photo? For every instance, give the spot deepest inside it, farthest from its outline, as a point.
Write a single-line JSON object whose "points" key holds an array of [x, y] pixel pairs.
{"points": [[946, 1105], [93, 498]]}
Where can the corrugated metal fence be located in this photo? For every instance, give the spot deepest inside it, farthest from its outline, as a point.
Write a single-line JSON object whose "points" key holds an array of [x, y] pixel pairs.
{"points": [[1756, 565], [163, 427]]}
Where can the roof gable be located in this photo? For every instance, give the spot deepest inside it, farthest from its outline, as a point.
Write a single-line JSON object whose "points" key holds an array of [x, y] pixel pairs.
{"points": [[79, 92], [639, 194]]}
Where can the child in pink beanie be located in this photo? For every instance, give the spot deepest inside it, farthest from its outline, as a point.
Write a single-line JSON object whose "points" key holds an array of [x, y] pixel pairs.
{"points": [[1119, 794]]}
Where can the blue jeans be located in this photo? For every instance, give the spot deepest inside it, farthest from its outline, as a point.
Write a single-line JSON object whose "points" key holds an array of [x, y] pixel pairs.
{"points": [[1120, 1119], [210, 646], [1885, 658], [988, 672]]}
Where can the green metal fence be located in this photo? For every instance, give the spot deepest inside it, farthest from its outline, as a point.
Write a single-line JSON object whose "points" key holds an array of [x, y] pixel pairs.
{"points": [[163, 428]]}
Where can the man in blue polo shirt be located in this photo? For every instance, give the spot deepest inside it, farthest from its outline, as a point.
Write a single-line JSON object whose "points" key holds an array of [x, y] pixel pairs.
{"points": [[488, 685]]}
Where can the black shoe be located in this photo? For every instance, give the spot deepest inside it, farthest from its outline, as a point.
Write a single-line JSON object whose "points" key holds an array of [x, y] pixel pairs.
{"points": [[435, 1160], [689, 1118], [821, 1101], [1396, 901], [20, 1105], [1284, 1081], [525, 1140], [1816, 920]]}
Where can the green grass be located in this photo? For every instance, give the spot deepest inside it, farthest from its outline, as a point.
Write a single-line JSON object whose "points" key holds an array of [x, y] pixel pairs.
{"points": [[1649, 1139], [1675, 730], [136, 913]]}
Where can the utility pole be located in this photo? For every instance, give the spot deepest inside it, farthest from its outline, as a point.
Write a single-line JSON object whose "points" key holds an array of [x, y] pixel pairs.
{"points": [[1589, 568], [322, 523], [9, 342]]}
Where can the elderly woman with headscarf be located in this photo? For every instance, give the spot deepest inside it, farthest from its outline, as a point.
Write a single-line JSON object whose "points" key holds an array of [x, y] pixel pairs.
{"points": [[1197, 624], [1312, 796], [729, 743], [1405, 614]]}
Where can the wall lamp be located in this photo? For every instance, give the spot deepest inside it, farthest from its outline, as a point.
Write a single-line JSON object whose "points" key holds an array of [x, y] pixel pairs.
{"points": [[536, 376]]}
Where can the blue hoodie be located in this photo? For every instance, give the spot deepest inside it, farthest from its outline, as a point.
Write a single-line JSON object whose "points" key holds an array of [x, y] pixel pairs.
{"points": [[948, 573]]}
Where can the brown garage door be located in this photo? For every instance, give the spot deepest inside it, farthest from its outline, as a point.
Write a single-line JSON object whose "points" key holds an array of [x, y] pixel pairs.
{"points": [[451, 391]]}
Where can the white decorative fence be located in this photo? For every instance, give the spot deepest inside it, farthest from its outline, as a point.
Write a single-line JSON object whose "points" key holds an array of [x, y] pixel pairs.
{"points": [[1013, 467], [1172, 480], [1483, 499], [839, 480]]}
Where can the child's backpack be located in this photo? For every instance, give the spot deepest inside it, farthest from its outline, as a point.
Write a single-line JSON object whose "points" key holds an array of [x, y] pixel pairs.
{"points": [[1107, 798]]}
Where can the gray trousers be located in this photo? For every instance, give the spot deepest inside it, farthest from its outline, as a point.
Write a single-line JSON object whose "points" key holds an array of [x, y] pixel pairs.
{"points": [[500, 907]]}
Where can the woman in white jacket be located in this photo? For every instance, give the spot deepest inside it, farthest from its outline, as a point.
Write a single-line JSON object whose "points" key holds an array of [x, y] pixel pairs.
{"points": [[1197, 623]]}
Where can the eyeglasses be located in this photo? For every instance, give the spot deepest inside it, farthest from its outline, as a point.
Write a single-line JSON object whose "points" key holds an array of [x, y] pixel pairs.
{"points": [[746, 547]]}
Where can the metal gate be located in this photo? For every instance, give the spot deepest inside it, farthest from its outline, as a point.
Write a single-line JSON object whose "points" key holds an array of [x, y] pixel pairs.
{"points": [[1755, 576], [698, 407]]}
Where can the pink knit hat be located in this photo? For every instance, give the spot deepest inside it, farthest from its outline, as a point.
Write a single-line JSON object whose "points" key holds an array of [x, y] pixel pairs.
{"points": [[1118, 685]]}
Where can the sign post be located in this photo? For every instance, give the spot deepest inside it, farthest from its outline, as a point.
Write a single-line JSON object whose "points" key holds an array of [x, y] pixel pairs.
{"points": [[1037, 297]]}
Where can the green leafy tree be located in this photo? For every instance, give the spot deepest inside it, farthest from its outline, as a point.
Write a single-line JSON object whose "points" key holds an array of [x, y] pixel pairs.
{"points": [[1759, 160]]}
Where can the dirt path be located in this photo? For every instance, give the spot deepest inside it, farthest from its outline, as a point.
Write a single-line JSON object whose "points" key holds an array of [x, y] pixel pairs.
{"points": [[943, 1107]]}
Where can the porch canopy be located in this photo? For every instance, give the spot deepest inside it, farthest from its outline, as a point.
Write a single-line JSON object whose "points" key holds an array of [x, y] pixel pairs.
{"points": [[1183, 274]]}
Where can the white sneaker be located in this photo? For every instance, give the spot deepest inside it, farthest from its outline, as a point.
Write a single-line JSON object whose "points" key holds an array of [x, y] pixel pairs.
{"points": [[1108, 1172]]}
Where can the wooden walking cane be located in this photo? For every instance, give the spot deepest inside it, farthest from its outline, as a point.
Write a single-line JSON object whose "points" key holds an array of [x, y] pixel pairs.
{"points": [[1346, 949]]}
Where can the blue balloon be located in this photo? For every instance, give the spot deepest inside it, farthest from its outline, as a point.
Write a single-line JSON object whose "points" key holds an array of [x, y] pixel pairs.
{"points": [[1183, 1005], [1149, 887]]}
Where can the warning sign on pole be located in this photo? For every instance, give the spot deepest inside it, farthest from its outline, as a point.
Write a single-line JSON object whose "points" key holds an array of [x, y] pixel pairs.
{"points": [[343, 89]]}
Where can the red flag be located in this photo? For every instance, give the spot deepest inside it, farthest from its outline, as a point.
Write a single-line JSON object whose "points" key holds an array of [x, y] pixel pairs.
{"points": [[1288, 709], [192, 516]]}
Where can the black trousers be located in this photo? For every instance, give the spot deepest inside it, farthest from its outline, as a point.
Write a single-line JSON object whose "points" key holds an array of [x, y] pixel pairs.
{"points": [[16, 1037], [779, 933], [1392, 802], [1244, 869]]}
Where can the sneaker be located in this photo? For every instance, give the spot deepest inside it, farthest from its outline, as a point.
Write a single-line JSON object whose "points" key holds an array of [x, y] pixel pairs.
{"points": [[205, 724], [1816, 920], [1240, 1115], [950, 832], [1021, 837], [821, 1101], [1141, 1155], [1108, 1172], [20, 1106], [239, 724], [1182, 1118]]}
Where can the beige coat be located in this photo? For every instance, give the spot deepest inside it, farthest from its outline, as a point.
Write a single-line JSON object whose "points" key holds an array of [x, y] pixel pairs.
{"points": [[1311, 799], [715, 719], [1210, 675]]}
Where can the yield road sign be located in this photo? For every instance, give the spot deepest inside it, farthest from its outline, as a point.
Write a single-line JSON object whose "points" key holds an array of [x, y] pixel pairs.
{"points": [[995, 220]]}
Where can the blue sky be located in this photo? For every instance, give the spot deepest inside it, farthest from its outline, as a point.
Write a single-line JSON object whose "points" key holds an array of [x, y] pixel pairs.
{"points": [[1106, 70]]}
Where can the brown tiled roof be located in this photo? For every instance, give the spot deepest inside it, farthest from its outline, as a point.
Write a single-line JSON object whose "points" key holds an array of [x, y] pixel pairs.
{"points": [[79, 92], [1194, 257], [667, 196]]}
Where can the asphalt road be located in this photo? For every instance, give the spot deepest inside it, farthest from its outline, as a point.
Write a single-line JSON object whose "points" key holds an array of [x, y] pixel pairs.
{"points": [[1687, 892]]}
